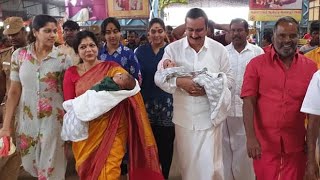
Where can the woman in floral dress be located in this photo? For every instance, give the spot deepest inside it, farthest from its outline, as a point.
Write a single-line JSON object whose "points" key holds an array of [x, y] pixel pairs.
{"points": [[36, 95]]}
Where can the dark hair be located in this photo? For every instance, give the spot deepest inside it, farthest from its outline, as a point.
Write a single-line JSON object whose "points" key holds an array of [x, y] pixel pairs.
{"points": [[267, 36], [156, 20], [169, 28], [131, 82], [287, 19], [196, 13], [105, 22], [71, 24], [39, 22], [314, 26], [80, 36], [131, 31], [240, 20]]}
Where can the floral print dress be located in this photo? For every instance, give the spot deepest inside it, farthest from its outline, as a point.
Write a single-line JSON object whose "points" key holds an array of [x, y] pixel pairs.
{"points": [[39, 114]]}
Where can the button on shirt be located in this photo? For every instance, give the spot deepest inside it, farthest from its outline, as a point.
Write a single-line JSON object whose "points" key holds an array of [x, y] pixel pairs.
{"points": [[238, 63], [41, 81], [280, 92], [188, 111]]}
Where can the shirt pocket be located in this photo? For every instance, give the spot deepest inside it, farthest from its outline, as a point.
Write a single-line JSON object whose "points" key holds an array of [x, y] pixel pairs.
{"points": [[297, 89]]}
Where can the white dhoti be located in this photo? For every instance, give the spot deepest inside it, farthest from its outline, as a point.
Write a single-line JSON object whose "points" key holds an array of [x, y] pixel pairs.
{"points": [[238, 166], [198, 154]]}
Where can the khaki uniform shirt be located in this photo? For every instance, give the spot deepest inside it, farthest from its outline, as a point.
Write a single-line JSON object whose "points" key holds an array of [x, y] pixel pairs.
{"points": [[66, 49], [5, 62]]}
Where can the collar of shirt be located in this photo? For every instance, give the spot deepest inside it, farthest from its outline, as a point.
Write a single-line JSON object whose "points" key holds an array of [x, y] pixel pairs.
{"points": [[247, 47], [275, 56], [53, 54], [118, 51], [7, 49], [186, 43]]}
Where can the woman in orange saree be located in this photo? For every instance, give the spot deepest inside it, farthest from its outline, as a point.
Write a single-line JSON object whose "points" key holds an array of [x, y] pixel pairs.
{"points": [[99, 156]]}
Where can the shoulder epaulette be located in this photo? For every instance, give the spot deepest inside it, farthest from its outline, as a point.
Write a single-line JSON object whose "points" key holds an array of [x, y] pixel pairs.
{"points": [[6, 49]]}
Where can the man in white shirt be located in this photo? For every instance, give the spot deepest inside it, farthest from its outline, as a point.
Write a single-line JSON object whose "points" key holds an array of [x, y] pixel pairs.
{"points": [[238, 166], [311, 106], [198, 142]]}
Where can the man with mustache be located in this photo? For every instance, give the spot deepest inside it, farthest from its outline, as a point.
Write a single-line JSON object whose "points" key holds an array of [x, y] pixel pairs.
{"points": [[198, 140], [16, 33], [237, 164], [273, 89], [70, 29]]}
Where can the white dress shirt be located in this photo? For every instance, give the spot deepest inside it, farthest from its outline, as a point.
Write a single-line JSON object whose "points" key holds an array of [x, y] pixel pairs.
{"points": [[238, 63], [311, 102], [188, 111]]}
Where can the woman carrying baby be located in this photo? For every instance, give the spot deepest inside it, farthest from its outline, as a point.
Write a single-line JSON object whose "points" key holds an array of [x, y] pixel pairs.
{"points": [[100, 155]]}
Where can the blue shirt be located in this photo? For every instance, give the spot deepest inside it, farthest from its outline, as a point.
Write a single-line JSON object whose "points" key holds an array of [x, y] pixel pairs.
{"points": [[125, 57], [148, 62], [158, 103]]}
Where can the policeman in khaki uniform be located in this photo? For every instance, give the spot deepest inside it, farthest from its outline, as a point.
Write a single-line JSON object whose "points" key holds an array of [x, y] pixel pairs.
{"points": [[15, 31]]}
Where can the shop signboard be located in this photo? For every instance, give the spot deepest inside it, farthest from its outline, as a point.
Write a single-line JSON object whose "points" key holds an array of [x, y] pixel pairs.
{"points": [[272, 10]]}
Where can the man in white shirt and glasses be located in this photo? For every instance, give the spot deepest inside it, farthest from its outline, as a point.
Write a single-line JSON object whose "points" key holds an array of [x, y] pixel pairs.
{"points": [[238, 166], [198, 141]]}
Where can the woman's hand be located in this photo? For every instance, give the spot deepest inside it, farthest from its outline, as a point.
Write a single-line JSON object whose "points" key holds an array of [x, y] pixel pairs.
{"points": [[5, 132]]}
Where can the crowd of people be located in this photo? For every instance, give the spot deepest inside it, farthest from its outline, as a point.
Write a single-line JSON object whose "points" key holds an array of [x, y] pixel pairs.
{"points": [[187, 104]]}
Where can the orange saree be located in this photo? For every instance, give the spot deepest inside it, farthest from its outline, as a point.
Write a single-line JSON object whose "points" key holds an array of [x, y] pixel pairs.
{"points": [[99, 156]]}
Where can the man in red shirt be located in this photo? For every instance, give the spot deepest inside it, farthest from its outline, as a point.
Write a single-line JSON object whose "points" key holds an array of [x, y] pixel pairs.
{"points": [[274, 86]]}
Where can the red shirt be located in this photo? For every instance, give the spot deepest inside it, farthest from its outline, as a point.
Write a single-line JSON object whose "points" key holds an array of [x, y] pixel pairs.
{"points": [[279, 93], [71, 76]]}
